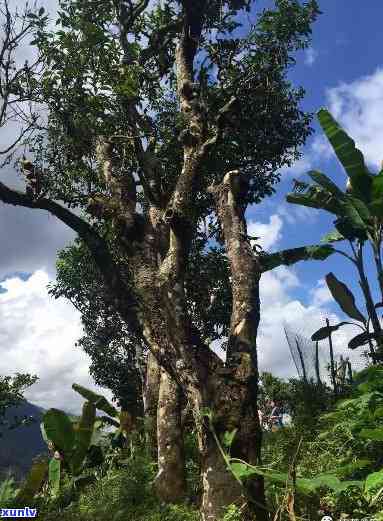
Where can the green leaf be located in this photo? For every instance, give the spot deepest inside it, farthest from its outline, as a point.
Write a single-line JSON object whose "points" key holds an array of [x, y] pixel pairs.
{"points": [[326, 183], [293, 255], [350, 157], [372, 434], [344, 297], [316, 197], [98, 400], [376, 205], [324, 332], [228, 438], [373, 481], [54, 476], [59, 429], [360, 340], [333, 236], [242, 471], [83, 436]]}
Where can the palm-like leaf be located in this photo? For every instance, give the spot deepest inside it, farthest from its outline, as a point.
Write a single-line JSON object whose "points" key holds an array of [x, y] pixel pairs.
{"points": [[350, 157], [344, 298]]}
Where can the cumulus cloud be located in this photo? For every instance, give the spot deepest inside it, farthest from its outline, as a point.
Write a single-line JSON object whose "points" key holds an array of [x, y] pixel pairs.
{"points": [[269, 233], [358, 106], [37, 335]]}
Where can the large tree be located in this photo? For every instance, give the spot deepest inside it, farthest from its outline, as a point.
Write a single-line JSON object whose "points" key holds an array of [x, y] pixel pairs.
{"points": [[166, 120]]}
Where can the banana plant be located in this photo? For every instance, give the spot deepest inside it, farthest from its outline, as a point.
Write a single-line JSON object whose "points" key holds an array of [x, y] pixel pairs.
{"points": [[122, 420], [70, 442], [358, 212]]}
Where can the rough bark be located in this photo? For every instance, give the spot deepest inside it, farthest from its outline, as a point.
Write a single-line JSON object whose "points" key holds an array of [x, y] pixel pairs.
{"points": [[170, 482], [235, 406], [151, 393]]}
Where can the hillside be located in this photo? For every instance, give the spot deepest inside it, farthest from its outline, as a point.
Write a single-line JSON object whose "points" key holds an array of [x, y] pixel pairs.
{"points": [[19, 446]]}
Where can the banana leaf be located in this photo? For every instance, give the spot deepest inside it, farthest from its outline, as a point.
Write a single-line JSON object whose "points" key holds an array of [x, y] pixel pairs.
{"points": [[333, 236], [54, 476], [360, 340], [350, 157], [98, 400], [344, 298], [324, 332], [83, 437], [376, 205], [316, 197], [59, 429], [326, 183], [293, 255]]}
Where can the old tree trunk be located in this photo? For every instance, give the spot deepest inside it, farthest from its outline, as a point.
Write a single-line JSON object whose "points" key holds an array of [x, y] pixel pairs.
{"points": [[191, 131]]}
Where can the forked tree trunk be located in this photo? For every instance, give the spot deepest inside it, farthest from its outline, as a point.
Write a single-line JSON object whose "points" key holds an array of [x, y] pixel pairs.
{"points": [[170, 482]]}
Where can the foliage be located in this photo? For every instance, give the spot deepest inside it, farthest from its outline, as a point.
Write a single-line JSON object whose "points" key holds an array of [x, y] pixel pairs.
{"points": [[12, 390], [345, 446], [113, 350], [8, 492], [122, 490], [359, 220]]}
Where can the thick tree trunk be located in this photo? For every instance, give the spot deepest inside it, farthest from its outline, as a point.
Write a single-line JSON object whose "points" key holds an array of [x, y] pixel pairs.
{"points": [[220, 489], [170, 482]]}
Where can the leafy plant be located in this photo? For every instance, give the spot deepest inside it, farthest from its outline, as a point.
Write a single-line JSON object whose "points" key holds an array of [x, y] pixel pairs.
{"points": [[359, 220]]}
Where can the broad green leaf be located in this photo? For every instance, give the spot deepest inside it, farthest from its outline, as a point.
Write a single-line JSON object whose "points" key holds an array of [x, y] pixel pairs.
{"points": [[324, 332], [376, 205], [345, 470], [83, 437], [59, 429], [316, 197], [373, 481], [360, 340], [228, 438], [344, 297], [293, 255], [372, 434], [349, 231], [326, 183], [350, 157], [54, 475], [353, 219], [326, 481], [333, 236], [360, 207], [242, 471], [98, 400]]}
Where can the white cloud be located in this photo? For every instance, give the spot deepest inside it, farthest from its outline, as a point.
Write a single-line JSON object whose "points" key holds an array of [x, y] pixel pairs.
{"points": [[37, 335], [321, 294], [311, 56], [278, 308], [317, 151], [358, 106], [269, 233]]}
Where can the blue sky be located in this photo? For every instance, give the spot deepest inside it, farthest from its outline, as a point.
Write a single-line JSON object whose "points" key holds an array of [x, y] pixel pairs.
{"points": [[342, 70]]}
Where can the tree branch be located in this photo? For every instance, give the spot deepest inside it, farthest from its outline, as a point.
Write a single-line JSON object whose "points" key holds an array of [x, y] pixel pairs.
{"points": [[125, 301]]}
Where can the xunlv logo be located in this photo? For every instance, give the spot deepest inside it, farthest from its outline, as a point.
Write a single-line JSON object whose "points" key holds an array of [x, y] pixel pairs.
{"points": [[18, 512]]}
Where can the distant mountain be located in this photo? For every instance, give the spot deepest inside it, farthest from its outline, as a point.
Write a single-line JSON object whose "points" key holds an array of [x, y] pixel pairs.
{"points": [[19, 446]]}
